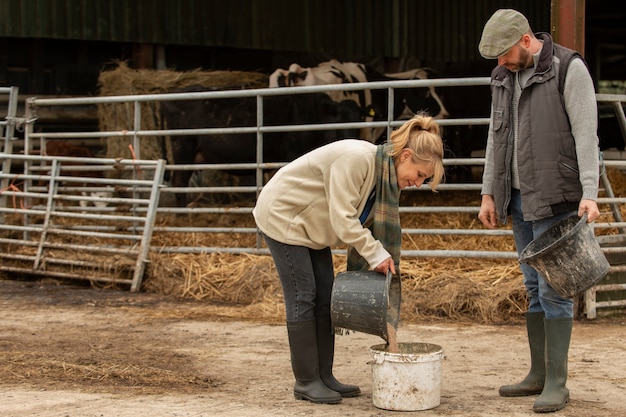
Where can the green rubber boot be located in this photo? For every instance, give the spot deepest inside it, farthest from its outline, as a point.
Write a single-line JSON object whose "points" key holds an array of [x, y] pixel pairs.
{"points": [[534, 381], [555, 394], [326, 352], [305, 365]]}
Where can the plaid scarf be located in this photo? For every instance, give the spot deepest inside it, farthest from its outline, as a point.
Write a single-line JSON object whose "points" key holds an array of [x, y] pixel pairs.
{"points": [[386, 224]]}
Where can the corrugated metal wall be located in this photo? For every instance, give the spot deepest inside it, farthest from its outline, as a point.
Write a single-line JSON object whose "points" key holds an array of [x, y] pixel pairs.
{"points": [[434, 30]]}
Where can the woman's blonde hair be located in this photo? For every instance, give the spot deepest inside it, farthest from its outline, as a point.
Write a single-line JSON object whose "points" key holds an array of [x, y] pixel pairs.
{"points": [[421, 135]]}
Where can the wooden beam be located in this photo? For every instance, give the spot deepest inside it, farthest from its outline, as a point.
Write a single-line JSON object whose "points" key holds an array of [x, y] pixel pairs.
{"points": [[143, 56], [568, 24]]}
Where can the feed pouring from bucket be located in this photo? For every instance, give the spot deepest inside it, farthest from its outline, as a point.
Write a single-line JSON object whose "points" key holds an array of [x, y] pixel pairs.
{"points": [[405, 376], [568, 256]]}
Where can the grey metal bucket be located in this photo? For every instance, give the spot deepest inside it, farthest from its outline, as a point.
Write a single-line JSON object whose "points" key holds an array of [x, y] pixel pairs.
{"points": [[568, 256], [366, 301]]}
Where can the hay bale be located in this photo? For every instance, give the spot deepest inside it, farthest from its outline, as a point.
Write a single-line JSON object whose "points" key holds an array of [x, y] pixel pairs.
{"points": [[123, 80]]}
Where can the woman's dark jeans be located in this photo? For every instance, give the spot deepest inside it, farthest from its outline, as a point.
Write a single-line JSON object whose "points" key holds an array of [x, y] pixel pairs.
{"points": [[306, 276]]}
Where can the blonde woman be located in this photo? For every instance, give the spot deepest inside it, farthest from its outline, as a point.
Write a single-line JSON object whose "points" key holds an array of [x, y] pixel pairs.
{"points": [[345, 192]]}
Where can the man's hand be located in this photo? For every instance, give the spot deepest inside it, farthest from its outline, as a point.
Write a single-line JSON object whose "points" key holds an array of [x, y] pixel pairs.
{"points": [[487, 213], [591, 208]]}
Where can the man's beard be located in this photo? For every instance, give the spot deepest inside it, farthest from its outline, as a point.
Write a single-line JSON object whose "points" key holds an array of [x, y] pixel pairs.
{"points": [[522, 62]]}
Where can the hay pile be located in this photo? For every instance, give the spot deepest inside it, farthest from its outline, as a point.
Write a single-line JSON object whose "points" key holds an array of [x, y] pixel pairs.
{"points": [[248, 287], [457, 289], [123, 80]]}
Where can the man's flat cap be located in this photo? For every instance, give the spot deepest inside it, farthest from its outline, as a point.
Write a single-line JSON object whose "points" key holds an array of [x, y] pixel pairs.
{"points": [[503, 30]]}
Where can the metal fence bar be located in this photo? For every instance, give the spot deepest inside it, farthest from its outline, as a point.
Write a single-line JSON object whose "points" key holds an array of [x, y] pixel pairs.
{"points": [[144, 246], [8, 130], [592, 304], [259, 130]]}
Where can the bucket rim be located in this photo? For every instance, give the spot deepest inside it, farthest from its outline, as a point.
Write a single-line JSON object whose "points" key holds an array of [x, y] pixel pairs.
{"points": [[432, 355], [582, 220]]}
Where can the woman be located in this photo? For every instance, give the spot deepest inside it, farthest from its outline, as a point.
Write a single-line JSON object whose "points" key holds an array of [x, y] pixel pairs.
{"points": [[321, 200]]}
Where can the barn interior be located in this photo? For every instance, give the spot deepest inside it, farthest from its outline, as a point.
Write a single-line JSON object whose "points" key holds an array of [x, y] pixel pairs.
{"points": [[62, 49]]}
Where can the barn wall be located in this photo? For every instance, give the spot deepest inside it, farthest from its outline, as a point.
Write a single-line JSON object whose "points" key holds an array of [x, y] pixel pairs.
{"points": [[437, 30], [58, 47]]}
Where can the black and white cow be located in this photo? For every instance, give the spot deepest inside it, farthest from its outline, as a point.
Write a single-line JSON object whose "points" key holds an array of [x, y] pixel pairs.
{"points": [[373, 103], [337, 107], [242, 112]]}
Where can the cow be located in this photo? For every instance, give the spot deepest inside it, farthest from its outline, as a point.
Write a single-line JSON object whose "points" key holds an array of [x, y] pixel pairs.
{"points": [[281, 110], [373, 103], [64, 148], [331, 72]]}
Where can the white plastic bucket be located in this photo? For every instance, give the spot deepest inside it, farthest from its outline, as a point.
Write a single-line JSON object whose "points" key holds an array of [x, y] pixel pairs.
{"points": [[409, 380]]}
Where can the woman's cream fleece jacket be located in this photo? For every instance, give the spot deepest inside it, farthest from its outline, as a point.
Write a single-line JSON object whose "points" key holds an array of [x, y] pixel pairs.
{"points": [[315, 201]]}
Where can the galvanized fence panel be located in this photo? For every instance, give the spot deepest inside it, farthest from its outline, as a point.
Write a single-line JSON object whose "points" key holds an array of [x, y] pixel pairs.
{"points": [[136, 134], [7, 130], [62, 221], [610, 293]]}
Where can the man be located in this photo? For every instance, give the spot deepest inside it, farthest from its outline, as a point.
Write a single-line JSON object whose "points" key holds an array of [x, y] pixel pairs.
{"points": [[541, 165]]}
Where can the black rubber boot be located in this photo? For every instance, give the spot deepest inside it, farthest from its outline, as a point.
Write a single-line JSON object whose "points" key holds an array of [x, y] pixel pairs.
{"points": [[533, 383], [326, 353], [305, 364], [555, 394]]}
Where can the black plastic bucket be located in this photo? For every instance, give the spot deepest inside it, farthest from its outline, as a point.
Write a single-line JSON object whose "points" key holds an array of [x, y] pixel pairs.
{"points": [[366, 301], [568, 256]]}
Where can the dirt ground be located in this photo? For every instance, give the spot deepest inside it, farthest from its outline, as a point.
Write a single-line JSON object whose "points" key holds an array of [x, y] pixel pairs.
{"points": [[75, 351]]}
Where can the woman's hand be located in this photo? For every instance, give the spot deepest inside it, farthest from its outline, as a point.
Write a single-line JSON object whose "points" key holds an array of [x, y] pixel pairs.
{"points": [[386, 265]]}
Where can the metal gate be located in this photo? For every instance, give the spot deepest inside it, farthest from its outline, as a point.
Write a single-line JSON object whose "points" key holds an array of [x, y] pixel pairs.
{"points": [[611, 291], [59, 220]]}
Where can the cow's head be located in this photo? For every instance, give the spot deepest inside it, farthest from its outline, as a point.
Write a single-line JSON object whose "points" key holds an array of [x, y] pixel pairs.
{"points": [[424, 99]]}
